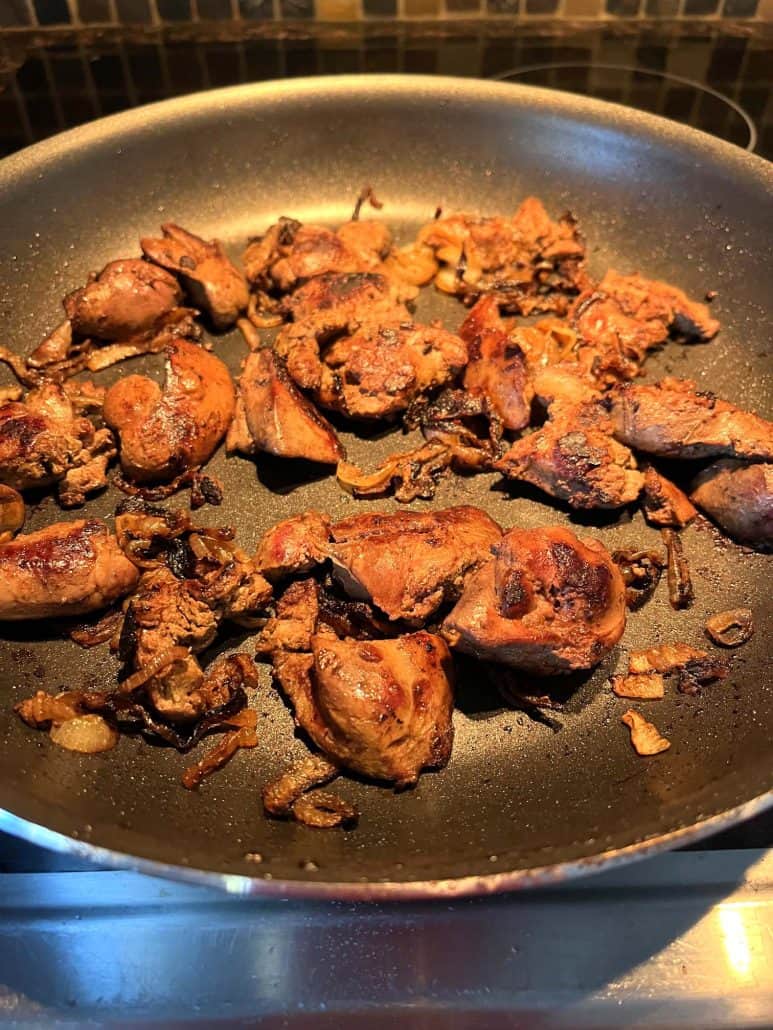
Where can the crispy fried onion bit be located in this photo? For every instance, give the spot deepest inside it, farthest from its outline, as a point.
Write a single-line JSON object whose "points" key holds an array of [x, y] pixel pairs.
{"points": [[645, 737], [643, 685], [731, 628], [292, 796], [695, 668]]}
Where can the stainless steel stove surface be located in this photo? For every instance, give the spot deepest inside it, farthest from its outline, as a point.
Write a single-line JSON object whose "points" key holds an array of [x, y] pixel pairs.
{"points": [[680, 940]]}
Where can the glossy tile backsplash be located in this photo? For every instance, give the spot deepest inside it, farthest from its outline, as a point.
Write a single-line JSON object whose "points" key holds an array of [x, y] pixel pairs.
{"points": [[23, 13]]}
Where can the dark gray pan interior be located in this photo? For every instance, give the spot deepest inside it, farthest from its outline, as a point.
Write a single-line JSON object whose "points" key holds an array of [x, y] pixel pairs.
{"points": [[518, 803]]}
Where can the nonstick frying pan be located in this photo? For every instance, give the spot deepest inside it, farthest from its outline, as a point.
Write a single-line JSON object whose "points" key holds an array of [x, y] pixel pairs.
{"points": [[519, 803]]}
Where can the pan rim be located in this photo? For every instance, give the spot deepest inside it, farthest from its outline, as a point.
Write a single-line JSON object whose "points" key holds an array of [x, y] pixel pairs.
{"points": [[642, 125], [239, 884], [559, 101]]}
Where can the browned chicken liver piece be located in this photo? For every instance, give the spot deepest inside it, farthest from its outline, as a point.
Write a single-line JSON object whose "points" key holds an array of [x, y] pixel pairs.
{"points": [[45, 439], [610, 342], [739, 498], [529, 262], [410, 563], [339, 301], [497, 367], [647, 300], [289, 252], [546, 603], [381, 708], [574, 457], [272, 415], [673, 419], [294, 545], [163, 615], [623, 318], [127, 298], [165, 432], [296, 621], [664, 503], [380, 370], [68, 568], [209, 277], [329, 306]]}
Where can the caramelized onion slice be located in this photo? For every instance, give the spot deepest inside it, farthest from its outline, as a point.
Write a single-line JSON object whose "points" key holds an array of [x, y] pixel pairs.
{"points": [[89, 634], [641, 572], [412, 474], [243, 735], [645, 737], [42, 709], [664, 658], [324, 810], [88, 734]]}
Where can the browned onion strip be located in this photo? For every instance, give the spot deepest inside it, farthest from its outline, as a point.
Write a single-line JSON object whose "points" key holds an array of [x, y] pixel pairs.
{"points": [[42, 709], [157, 492], [249, 332], [680, 589], [412, 474], [365, 194], [663, 658], [731, 628], [324, 810], [280, 795], [645, 738], [242, 736]]}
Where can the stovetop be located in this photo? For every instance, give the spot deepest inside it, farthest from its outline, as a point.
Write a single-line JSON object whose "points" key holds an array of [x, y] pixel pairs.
{"points": [[679, 940], [716, 76]]}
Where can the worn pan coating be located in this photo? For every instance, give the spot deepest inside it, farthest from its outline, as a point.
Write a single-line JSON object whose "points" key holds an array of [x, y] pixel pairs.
{"points": [[519, 804]]}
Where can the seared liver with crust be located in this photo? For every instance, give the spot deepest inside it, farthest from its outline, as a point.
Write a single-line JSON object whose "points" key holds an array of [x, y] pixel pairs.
{"points": [[546, 603], [379, 707], [68, 568], [211, 280], [739, 498], [165, 432], [294, 546], [496, 369], [675, 420], [410, 563], [47, 439], [272, 415], [574, 457], [127, 298]]}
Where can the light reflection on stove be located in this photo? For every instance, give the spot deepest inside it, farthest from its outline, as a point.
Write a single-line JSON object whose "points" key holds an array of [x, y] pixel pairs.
{"points": [[735, 940]]}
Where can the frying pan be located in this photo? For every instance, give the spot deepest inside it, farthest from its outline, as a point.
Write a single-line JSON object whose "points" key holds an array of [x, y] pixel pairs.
{"points": [[519, 804]]}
